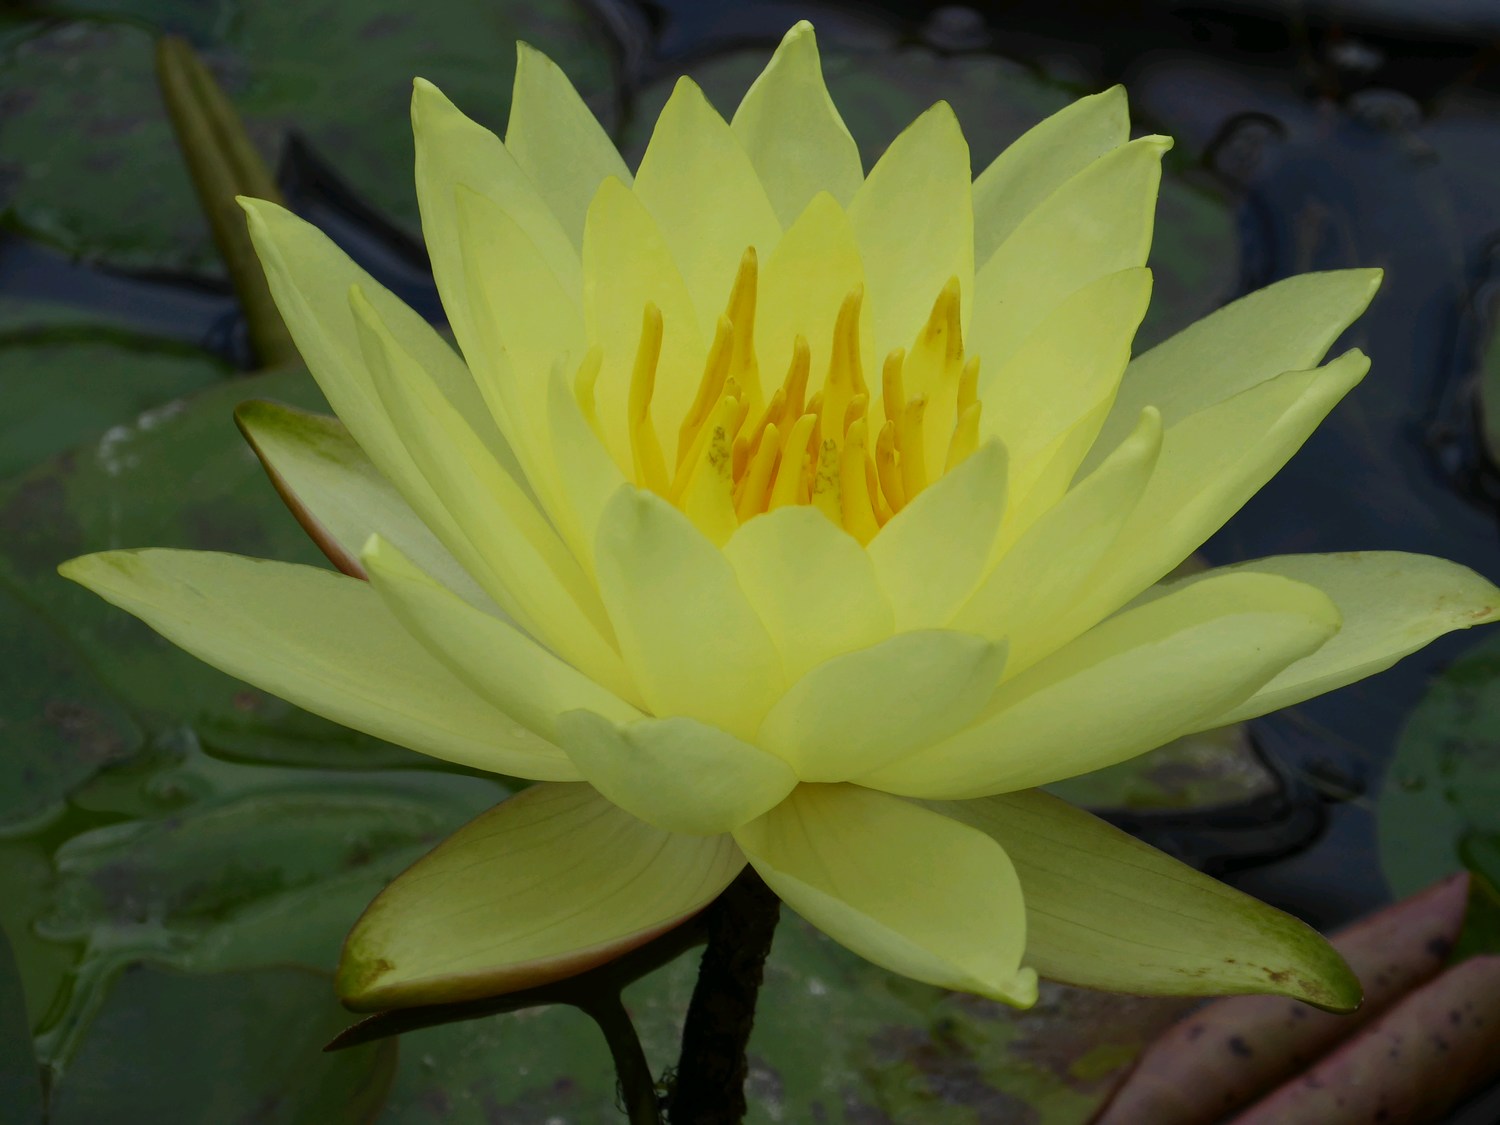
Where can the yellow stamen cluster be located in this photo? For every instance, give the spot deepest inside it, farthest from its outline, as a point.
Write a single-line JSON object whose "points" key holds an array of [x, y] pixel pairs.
{"points": [[858, 457]]}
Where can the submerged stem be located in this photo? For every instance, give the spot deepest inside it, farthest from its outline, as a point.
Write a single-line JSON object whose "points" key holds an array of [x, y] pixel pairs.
{"points": [[711, 1070]]}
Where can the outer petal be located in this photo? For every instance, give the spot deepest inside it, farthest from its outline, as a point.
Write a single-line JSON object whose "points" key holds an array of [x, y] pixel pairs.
{"points": [[962, 513], [1044, 158], [1211, 462], [906, 888], [1097, 223], [1392, 604], [506, 543], [811, 583], [453, 150], [557, 140], [704, 194], [1043, 573], [915, 224], [1104, 910], [494, 659], [322, 641], [792, 131], [525, 320], [310, 279], [1288, 326], [858, 711], [339, 496], [678, 774], [688, 634], [1138, 680], [545, 885]]}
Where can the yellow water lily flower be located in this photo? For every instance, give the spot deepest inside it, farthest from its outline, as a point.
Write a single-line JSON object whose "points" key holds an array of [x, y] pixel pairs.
{"points": [[783, 513]]}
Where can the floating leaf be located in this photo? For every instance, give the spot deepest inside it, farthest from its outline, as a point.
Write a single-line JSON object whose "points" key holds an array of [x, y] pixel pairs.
{"points": [[20, 1077], [1440, 808], [175, 1047], [78, 101], [179, 476], [61, 389]]}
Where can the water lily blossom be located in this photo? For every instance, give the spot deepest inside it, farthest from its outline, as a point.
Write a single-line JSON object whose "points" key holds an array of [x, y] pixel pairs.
{"points": [[787, 513]]}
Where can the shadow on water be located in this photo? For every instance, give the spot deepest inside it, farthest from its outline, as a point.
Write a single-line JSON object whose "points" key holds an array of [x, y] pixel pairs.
{"points": [[1355, 134]]}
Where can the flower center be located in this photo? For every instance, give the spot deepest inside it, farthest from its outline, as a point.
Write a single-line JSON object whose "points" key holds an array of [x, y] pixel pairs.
{"points": [[858, 456]]}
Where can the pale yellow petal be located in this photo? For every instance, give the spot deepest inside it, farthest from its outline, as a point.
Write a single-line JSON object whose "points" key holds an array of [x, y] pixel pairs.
{"points": [[689, 636], [934, 552], [490, 656], [702, 190], [1211, 462], [678, 774], [811, 584], [321, 640], [453, 150], [1067, 368], [813, 268], [1288, 326], [504, 541], [1105, 911], [911, 890], [1392, 604], [310, 279], [627, 265], [915, 224], [1043, 573], [1097, 223], [1130, 684], [856, 712], [549, 883], [339, 496], [792, 132], [1041, 160], [557, 141], [525, 322], [586, 474]]}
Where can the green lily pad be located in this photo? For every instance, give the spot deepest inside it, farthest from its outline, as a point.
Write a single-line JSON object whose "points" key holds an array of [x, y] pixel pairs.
{"points": [[78, 102], [1205, 770], [20, 1077], [59, 724], [60, 390], [178, 476], [1440, 807], [177, 1047], [164, 886]]}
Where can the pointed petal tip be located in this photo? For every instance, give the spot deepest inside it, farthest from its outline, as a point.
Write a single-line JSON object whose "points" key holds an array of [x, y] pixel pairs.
{"points": [[1020, 991]]}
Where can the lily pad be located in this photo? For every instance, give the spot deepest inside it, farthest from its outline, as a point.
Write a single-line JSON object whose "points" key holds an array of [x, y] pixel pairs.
{"points": [[20, 1077], [61, 389], [178, 476], [1440, 807], [78, 102], [178, 1047], [58, 723], [1201, 771]]}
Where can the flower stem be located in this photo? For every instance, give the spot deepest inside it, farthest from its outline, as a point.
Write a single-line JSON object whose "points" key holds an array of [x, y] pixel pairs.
{"points": [[710, 1081], [637, 1086]]}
